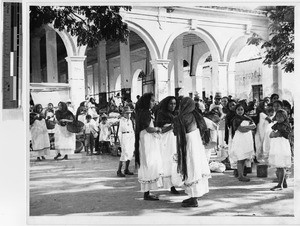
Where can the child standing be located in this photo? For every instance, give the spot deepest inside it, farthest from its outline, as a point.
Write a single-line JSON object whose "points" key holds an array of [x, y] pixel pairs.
{"points": [[127, 139], [280, 150], [90, 131], [242, 148], [104, 136]]}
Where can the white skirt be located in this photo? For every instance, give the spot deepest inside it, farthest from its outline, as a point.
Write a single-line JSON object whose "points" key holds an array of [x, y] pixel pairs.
{"points": [[242, 146], [267, 139], [127, 146], [198, 172], [65, 142], [40, 139], [168, 149], [150, 170], [280, 152]]}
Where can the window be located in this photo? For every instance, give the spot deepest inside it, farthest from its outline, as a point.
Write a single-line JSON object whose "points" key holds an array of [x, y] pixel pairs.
{"points": [[257, 91], [12, 61]]}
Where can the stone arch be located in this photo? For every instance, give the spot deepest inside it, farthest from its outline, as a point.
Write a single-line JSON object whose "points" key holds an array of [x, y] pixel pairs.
{"points": [[67, 39], [118, 83], [136, 88], [232, 49], [147, 38], [234, 46], [203, 34]]}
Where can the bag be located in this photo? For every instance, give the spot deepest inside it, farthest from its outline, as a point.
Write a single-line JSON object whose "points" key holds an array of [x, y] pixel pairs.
{"points": [[75, 126], [50, 124], [95, 133]]}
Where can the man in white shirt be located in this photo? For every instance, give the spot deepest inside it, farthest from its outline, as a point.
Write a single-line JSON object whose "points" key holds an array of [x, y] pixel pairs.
{"points": [[217, 102]]}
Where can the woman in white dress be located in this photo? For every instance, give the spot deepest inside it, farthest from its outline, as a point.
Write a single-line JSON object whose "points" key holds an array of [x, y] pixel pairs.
{"points": [[280, 149], [147, 147], [126, 136], [242, 147], [190, 129], [39, 133], [228, 132], [165, 116], [65, 141], [262, 125]]}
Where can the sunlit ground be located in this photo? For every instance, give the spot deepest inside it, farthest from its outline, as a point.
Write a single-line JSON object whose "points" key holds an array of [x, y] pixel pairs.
{"points": [[88, 186]]}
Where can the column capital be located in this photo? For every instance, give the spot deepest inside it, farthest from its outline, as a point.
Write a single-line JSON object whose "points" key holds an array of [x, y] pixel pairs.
{"points": [[223, 63], [75, 58], [160, 61]]}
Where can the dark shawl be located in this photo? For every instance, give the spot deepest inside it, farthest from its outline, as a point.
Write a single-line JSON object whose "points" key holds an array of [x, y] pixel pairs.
{"points": [[34, 113], [184, 123], [228, 124], [164, 116], [237, 120], [284, 127], [142, 121], [64, 113]]}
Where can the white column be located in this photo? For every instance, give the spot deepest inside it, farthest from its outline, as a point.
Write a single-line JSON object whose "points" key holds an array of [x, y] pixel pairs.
{"points": [[36, 59], [96, 78], [231, 79], [178, 62], [76, 79], [214, 78], [277, 80], [197, 80], [51, 53], [161, 78], [125, 65], [223, 78], [102, 66]]}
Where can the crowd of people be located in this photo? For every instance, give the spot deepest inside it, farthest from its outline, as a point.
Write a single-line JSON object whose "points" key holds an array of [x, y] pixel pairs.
{"points": [[171, 141]]}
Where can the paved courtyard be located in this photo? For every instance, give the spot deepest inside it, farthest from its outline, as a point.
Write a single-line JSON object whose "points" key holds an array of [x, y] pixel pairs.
{"points": [[88, 186]]}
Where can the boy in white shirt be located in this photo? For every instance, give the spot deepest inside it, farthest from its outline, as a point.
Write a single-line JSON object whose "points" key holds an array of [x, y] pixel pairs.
{"points": [[90, 131], [127, 139]]}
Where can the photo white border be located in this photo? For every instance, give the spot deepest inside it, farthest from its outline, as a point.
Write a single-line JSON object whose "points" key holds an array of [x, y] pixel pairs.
{"points": [[22, 211]]}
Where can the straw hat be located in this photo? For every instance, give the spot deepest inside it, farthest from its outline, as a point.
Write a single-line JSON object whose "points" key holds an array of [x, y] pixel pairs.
{"points": [[218, 95]]}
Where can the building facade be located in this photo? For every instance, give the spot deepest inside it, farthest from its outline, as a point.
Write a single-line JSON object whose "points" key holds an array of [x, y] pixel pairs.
{"points": [[177, 50]]}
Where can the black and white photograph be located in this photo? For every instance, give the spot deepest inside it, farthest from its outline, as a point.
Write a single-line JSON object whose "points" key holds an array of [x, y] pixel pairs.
{"points": [[156, 113]]}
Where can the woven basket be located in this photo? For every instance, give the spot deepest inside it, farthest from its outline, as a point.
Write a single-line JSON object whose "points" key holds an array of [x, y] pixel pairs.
{"points": [[75, 126]]}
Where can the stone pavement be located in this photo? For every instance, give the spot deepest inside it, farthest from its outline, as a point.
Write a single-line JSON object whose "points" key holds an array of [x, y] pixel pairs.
{"points": [[88, 186]]}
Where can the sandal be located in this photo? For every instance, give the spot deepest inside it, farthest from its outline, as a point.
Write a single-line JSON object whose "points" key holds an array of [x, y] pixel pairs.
{"points": [[151, 198], [127, 172], [193, 202], [57, 156], [244, 179], [276, 188]]}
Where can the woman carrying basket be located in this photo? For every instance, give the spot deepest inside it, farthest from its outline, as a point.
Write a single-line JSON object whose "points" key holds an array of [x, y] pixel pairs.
{"points": [[65, 141]]}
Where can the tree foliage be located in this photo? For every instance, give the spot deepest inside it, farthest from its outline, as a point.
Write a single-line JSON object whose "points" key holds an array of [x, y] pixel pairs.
{"points": [[280, 46], [90, 24]]}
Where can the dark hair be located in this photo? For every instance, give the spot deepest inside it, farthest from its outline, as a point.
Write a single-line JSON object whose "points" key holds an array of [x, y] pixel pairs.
{"points": [[287, 104], [88, 117], [163, 105], [240, 105], [278, 102], [273, 95], [144, 101], [225, 97]]}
